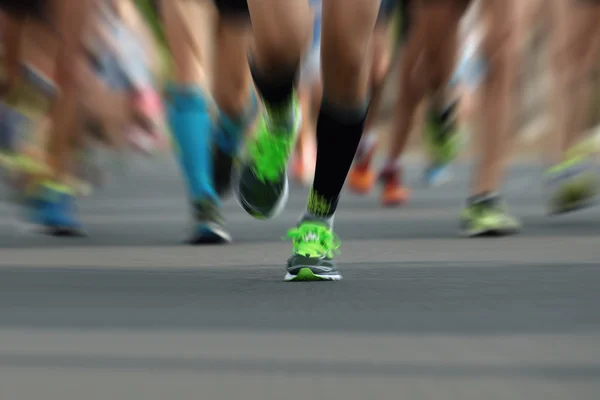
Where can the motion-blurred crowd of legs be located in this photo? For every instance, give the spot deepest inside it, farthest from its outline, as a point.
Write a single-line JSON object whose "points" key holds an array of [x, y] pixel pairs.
{"points": [[245, 90]]}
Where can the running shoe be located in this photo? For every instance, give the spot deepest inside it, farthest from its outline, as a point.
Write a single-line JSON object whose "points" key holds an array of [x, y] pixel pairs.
{"points": [[209, 225], [487, 216], [362, 177], [572, 185], [53, 210], [263, 186], [442, 142], [436, 174], [314, 247], [394, 192]]}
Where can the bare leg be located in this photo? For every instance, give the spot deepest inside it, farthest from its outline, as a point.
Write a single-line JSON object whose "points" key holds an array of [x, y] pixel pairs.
{"points": [[281, 35], [71, 24], [575, 37], [430, 60], [572, 180], [231, 78], [12, 33], [494, 129], [281, 32], [382, 58], [232, 85], [485, 213]]}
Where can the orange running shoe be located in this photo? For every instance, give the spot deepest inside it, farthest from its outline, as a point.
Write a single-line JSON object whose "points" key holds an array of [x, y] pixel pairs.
{"points": [[394, 193], [362, 178]]}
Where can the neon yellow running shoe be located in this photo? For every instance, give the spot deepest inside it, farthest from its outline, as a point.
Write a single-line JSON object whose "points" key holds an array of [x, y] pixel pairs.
{"points": [[572, 185], [263, 184], [314, 247], [487, 216]]}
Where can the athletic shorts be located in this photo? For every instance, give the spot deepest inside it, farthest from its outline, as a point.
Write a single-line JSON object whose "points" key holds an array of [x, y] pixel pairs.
{"points": [[22, 8], [387, 9], [233, 8], [405, 17]]}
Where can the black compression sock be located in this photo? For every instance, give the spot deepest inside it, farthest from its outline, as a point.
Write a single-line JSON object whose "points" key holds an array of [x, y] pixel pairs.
{"points": [[339, 130], [276, 88]]}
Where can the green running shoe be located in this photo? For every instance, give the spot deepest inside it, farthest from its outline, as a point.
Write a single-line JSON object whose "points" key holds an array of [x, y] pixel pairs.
{"points": [[572, 185], [263, 185], [209, 224], [487, 216], [314, 247], [442, 139]]}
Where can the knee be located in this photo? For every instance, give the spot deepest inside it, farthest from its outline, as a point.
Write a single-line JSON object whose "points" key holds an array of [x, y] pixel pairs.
{"points": [[343, 61], [381, 63], [282, 43]]}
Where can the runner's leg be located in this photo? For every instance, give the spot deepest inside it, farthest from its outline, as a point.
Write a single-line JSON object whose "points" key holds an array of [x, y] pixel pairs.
{"points": [[231, 88], [281, 33], [572, 181], [485, 213], [346, 39], [189, 35]]}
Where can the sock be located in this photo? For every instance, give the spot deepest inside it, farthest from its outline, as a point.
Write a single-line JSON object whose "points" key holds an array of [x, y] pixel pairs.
{"points": [[230, 130], [328, 221], [391, 166], [190, 124], [277, 93], [483, 198], [339, 130]]}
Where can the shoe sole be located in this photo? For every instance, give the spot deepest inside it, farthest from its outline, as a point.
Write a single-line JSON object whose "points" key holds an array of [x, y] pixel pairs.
{"points": [[277, 209], [65, 232], [282, 201], [578, 206], [54, 231], [306, 275], [211, 236], [493, 232]]}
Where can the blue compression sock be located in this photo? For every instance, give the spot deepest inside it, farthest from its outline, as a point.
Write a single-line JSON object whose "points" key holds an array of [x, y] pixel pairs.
{"points": [[191, 126], [229, 133]]}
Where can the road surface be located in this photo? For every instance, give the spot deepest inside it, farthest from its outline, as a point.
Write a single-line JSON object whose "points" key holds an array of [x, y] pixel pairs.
{"points": [[130, 313]]}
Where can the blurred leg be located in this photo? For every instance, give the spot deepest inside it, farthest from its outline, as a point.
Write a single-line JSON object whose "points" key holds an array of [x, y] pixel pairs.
{"points": [[232, 91], [572, 180], [485, 213], [281, 32], [190, 31], [346, 40]]}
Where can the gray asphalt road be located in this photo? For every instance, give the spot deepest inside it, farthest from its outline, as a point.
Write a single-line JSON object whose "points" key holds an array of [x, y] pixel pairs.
{"points": [[129, 313]]}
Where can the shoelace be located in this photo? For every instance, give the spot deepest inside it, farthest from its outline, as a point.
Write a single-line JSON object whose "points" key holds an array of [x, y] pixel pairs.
{"points": [[325, 243]]}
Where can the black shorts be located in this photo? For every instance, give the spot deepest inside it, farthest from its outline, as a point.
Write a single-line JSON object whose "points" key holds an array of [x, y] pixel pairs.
{"points": [[233, 8], [23, 8], [405, 17], [386, 10]]}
